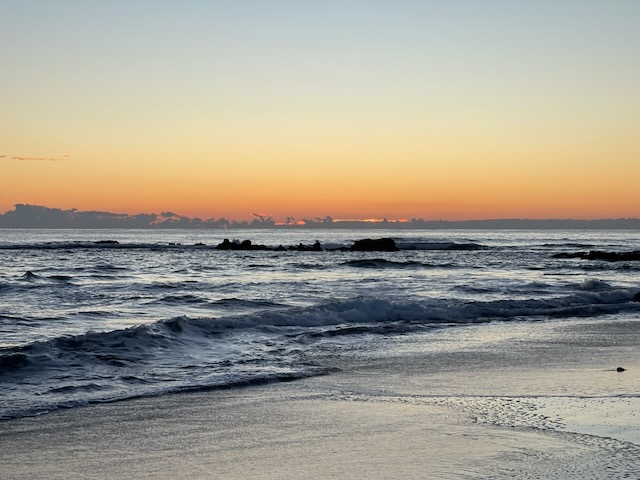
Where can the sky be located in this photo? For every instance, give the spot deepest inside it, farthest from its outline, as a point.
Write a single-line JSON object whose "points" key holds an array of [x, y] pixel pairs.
{"points": [[356, 109]]}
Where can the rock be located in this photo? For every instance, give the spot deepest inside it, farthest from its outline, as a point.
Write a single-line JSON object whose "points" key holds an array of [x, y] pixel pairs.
{"points": [[227, 245], [600, 255], [365, 245], [636, 297], [374, 245], [316, 247], [244, 245], [620, 369]]}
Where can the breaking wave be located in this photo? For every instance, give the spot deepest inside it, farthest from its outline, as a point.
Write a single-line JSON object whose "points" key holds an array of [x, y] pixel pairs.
{"points": [[185, 353]]}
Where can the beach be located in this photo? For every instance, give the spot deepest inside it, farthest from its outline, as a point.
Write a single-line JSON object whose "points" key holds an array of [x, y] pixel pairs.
{"points": [[528, 400]]}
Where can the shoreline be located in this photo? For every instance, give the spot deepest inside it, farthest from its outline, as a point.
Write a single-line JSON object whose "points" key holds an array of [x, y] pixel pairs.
{"points": [[529, 400]]}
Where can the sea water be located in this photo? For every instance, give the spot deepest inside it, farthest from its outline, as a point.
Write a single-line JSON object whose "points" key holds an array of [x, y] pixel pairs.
{"points": [[89, 316]]}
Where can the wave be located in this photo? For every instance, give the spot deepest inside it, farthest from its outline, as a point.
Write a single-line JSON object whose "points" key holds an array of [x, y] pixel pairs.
{"points": [[379, 263], [309, 266], [241, 303], [107, 267], [186, 299], [11, 318], [61, 278], [136, 342], [29, 276], [30, 281], [595, 285], [189, 299], [607, 256], [593, 267], [11, 361], [568, 245], [185, 353]]}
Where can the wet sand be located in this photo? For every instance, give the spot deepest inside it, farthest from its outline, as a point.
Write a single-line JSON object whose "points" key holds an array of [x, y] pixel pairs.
{"points": [[534, 400]]}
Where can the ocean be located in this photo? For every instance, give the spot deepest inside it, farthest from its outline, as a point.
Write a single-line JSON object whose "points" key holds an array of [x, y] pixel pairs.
{"points": [[96, 316]]}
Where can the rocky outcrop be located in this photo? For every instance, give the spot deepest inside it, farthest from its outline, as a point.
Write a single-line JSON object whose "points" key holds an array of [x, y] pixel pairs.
{"points": [[244, 245], [365, 245], [374, 245], [316, 247]]}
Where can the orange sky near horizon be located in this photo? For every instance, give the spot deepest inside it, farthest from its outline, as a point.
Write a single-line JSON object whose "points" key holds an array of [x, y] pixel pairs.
{"points": [[434, 110]]}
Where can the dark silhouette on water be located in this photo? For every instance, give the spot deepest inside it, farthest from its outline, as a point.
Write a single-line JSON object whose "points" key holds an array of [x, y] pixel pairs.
{"points": [[244, 245], [375, 245], [365, 245], [600, 255]]}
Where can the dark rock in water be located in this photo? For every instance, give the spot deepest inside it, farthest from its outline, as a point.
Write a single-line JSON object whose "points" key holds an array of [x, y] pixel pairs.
{"points": [[620, 369], [636, 297], [316, 247], [602, 255], [227, 245], [612, 256], [106, 242], [247, 245], [244, 245], [375, 245]]}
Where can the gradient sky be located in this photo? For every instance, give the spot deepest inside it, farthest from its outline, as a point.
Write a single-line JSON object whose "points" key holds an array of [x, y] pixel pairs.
{"points": [[435, 109]]}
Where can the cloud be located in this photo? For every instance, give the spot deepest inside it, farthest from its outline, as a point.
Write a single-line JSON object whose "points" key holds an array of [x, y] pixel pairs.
{"points": [[22, 158], [35, 159], [36, 216]]}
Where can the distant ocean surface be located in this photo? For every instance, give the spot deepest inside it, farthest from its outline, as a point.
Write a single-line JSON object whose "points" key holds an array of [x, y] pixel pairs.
{"points": [[84, 320]]}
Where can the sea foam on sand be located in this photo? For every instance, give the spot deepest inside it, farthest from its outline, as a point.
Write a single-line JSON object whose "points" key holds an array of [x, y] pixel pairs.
{"points": [[532, 400]]}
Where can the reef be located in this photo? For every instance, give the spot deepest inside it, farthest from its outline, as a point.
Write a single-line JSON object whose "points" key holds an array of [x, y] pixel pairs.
{"points": [[364, 245]]}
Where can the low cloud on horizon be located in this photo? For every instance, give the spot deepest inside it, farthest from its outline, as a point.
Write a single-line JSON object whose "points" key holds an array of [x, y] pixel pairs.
{"points": [[37, 216]]}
